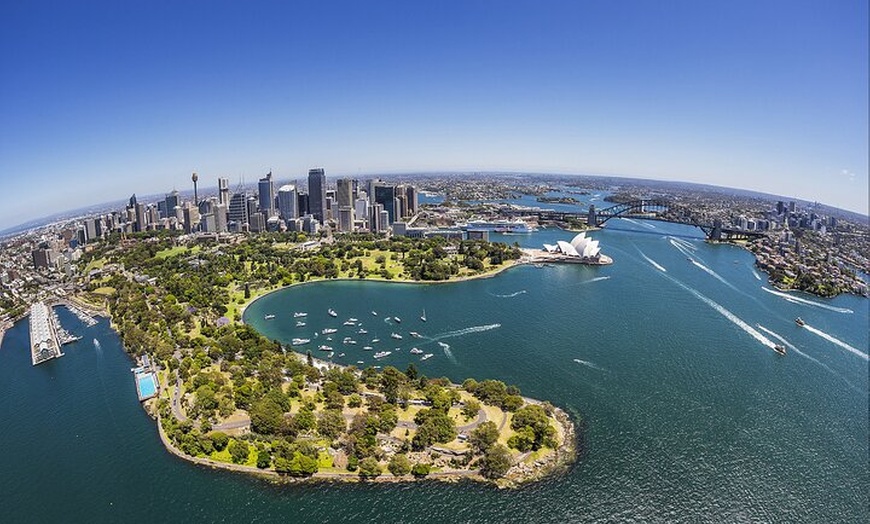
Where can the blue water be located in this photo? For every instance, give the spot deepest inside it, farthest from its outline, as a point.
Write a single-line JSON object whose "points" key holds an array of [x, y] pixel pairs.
{"points": [[147, 384], [687, 414]]}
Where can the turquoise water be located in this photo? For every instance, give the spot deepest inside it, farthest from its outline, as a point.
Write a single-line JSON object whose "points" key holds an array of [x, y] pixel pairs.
{"points": [[687, 414], [147, 384]]}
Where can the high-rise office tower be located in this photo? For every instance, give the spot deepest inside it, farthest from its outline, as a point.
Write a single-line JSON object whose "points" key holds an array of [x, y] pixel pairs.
{"points": [[317, 193], [220, 218], [287, 202], [266, 195], [224, 191], [238, 210], [170, 203], [141, 218], [385, 194], [412, 199], [344, 192]]}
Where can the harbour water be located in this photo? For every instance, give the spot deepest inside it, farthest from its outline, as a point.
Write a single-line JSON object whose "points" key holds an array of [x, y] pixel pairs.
{"points": [[688, 414]]}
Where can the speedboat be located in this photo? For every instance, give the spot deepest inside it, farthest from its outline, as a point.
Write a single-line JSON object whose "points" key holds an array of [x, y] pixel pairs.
{"points": [[799, 321], [332, 312], [375, 313], [415, 334], [396, 336], [426, 356], [779, 349], [270, 317], [398, 320]]}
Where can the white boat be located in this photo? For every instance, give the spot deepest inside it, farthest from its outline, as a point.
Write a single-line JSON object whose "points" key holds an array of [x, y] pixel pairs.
{"points": [[300, 314], [398, 320], [362, 331], [269, 317], [332, 313], [423, 316], [382, 354], [328, 331], [349, 323], [360, 362], [375, 313], [300, 341], [367, 348], [415, 334], [351, 319], [325, 348], [350, 341], [426, 356], [416, 351], [375, 340], [340, 355], [300, 324], [396, 336]]}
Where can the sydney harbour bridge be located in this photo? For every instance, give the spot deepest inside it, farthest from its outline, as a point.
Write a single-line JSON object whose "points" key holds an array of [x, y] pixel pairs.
{"points": [[647, 209]]}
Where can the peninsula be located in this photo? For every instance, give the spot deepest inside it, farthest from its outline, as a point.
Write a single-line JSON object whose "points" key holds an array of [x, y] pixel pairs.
{"points": [[231, 398]]}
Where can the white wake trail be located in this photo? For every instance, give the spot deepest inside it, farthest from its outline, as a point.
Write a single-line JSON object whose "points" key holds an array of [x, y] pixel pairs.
{"points": [[791, 346], [466, 331], [713, 274], [836, 341], [685, 243], [756, 275], [589, 364], [682, 249], [511, 295], [792, 298], [446, 349], [653, 262]]}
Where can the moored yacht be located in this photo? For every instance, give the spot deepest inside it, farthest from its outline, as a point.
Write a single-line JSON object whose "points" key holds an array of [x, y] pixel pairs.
{"points": [[299, 314], [396, 336], [270, 317], [426, 356], [332, 312], [300, 341]]}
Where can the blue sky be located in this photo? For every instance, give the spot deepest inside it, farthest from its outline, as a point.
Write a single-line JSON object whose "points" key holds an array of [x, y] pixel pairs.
{"points": [[101, 100]]}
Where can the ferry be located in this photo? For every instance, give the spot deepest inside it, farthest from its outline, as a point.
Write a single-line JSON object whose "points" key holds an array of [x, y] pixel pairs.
{"points": [[329, 331], [779, 349], [300, 341], [799, 321], [325, 348], [416, 351], [396, 336], [426, 356], [415, 334], [299, 323], [382, 354], [269, 317], [499, 226], [299, 314], [398, 320], [332, 312]]}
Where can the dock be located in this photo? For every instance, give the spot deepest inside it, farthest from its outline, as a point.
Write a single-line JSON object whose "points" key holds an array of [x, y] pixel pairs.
{"points": [[44, 343]]}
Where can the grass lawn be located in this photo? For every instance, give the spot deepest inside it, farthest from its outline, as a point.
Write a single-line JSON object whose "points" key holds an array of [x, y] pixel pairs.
{"points": [[177, 250], [105, 291]]}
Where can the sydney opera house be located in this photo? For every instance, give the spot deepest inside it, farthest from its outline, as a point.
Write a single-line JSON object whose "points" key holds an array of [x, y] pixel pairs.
{"points": [[581, 250]]}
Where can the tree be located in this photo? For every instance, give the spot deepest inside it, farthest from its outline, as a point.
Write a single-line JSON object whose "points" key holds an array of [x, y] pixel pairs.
{"points": [[535, 418], [305, 419], [331, 424], [399, 465], [496, 462], [266, 416], [421, 469], [302, 465], [523, 440], [411, 372], [219, 440], [264, 459], [369, 468], [484, 436], [239, 451], [471, 408]]}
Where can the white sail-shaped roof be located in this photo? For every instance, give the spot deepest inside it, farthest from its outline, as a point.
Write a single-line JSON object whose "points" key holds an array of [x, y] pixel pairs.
{"points": [[550, 248], [591, 249], [579, 241], [567, 249]]}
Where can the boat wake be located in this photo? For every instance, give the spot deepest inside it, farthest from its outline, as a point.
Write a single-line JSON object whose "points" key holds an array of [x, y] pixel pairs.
{"points": [[713, 274], [653, 262], [589, 364], [794, 299], [791, 346], [684, 243], [466, 331], [682, 249], [751, 331], [511, 295], [596, 279], [446, 349], [388, 320], [756, 275], [643, 224], [98, 346], [836, 341]]}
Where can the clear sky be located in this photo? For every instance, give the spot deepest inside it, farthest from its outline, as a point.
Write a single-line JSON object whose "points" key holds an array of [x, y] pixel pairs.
{"points": [[101, 100]]}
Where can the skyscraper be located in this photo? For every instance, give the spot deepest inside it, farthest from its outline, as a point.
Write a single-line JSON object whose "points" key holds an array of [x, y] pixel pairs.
{"points": [[170, 203], [238, 210], [317, 193], [266, 195], [224, 191], [287, 202], [385, 194]]}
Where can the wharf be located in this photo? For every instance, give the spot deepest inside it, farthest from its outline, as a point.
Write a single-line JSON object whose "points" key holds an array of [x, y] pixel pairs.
{"points": [[44, 344]]}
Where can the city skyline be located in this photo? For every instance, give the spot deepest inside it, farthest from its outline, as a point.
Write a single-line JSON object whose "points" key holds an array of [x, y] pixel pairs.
{"points": [[109, 100]]}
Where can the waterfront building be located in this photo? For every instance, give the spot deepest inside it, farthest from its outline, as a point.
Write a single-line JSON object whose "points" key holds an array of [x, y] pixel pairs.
{"points": [[288, 203], [580, 246], [266, 195], [317, 193]]}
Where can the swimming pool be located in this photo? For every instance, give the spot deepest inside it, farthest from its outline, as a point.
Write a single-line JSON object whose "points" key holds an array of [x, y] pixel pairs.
{"points": [[146, 384]]}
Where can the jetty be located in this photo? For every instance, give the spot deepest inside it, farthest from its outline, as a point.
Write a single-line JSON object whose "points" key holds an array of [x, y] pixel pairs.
{"points": [[44, 344]]}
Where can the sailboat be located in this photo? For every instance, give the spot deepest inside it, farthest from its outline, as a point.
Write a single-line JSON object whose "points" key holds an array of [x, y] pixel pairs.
{"points": [[423, 316]]}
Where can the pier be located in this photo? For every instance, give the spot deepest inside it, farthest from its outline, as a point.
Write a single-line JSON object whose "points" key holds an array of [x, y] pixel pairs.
{"points": [[44, 344]]}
